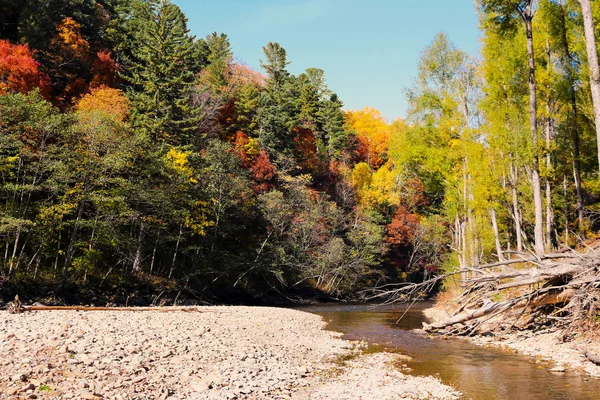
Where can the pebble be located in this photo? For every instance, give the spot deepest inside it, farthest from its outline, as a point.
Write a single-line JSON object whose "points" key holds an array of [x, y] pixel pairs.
{"points": [[224, 353]]}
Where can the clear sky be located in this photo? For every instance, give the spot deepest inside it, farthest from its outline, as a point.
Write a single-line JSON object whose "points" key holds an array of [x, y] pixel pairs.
{"points": [[368, 49]]}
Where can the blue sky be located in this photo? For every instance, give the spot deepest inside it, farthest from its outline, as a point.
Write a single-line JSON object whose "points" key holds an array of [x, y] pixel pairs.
{"points": [[368, 49]]}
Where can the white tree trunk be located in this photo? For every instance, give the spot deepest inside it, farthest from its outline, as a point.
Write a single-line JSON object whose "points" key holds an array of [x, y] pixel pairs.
{"points": [[592, 54], [496, 234], [538, 230]]}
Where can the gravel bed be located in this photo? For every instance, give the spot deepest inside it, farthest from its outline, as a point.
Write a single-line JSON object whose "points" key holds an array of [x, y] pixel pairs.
{"points": [[211, 353]]}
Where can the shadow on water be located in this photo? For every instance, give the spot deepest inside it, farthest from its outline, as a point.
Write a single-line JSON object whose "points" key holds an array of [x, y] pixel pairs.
{"points": [[479, 373]]}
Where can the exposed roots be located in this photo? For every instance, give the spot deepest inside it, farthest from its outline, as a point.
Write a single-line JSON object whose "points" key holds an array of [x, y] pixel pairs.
{"points": [[554, 290]]}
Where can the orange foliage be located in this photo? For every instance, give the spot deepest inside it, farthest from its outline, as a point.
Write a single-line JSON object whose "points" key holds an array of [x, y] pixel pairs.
{"points": [[262, 171], [403, 227], [71, 61], [69, 32], [241, 74], [373, 134], [19, 72], [112, 101], [104, 70]]}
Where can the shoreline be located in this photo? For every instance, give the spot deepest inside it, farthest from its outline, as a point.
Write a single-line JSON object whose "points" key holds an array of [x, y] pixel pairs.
{"points": [[216, 352], [546, 347]]}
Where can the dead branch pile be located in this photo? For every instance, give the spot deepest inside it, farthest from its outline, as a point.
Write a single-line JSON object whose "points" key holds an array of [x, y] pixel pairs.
{"points": [[554, 289]]}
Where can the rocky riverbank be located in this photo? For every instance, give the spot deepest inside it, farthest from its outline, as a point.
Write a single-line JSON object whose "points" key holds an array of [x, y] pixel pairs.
{"points": [[209, 353], [554, 348]]}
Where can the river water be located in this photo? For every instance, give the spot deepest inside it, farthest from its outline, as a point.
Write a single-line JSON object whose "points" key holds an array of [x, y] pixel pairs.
{"points": [[479, 373]]}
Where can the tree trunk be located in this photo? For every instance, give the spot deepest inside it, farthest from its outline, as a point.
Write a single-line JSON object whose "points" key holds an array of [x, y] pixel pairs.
{"points": [[14, 253], [550, 240], [574, 123], [566, 200], [496, 234], [154, 255], [516, 210], [176, 250], [70, 248], [137, 260], [592, 54], [535, 170]]}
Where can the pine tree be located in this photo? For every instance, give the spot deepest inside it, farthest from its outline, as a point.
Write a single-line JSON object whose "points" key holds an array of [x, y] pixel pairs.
{"points": [[161, 72], [278, 106], [219, 57], [331, 118]]}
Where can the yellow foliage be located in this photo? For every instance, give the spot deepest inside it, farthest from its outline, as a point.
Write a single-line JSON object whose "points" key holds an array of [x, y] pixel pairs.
{"points": [[178, 160], [105, 99], [69, 31], [8, 163], [373, 132], [252, 147], [376, 189], [198, 220], [361, 176]]}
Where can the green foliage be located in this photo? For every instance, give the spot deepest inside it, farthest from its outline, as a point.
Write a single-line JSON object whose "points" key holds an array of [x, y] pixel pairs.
{"points": [[233, 183], [160, 72]]}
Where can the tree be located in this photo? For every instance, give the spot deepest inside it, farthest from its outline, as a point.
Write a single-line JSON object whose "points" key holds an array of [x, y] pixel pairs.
{"points": [[277, 105], [161, 72], [372, 132], [19, 71], [592, 55], [503, 14], [105, 99], [331, 118]]}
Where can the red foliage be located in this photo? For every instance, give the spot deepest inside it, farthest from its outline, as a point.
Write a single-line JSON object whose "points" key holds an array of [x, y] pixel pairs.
{"points": [[19, 72], [262, 171], [306, 147], [226, 118], [401, 230], [104, 70], [358, 151], [240, 142]]}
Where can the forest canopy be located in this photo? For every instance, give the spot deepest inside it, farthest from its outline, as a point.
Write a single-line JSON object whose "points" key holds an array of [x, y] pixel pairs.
{"points": [[134, 153]]}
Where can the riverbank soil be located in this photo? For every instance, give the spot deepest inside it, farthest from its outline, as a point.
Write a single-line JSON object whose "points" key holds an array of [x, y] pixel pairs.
{"points": [[561, 349], [208, 353]]}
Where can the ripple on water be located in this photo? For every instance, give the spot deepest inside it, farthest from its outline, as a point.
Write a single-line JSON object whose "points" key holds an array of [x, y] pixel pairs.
{"points": [[480, 373]]}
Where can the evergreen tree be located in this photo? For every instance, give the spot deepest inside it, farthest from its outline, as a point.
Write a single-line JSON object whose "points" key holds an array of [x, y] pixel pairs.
{"points": [[219, 57], [161, 72], [331, 118], [278, 106]]}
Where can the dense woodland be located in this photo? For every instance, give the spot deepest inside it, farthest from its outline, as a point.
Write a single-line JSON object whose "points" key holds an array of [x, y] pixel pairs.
{"points": [[133, 153]]}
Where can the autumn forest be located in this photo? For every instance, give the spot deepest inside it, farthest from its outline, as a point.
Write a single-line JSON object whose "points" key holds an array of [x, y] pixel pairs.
{"points": [[136, 156]]}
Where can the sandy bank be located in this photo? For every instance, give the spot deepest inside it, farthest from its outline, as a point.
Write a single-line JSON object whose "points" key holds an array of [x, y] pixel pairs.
{"points": [[217, 353]]}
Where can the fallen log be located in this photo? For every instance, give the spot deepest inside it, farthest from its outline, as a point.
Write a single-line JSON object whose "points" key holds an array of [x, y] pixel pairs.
{"points": [[16, 307], [592, 357], [468, 315]]}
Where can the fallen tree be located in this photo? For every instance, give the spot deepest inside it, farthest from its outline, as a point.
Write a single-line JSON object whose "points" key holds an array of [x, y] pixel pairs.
{"points": [[556, 289]]}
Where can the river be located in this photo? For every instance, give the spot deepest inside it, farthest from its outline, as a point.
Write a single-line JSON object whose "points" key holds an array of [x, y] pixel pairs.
{"points": [[480, 373]]}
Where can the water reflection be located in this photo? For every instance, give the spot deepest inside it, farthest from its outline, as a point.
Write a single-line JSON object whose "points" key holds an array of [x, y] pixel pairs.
{"points": [[477, 372]]}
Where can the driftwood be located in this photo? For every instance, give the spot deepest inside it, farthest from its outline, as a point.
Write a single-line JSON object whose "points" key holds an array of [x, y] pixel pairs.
{"points": [[592, 357], [559, 287], [16, 307]]}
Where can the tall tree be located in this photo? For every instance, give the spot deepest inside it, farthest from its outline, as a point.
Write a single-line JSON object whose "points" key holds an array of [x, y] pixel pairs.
{"points": [[592, 55], [277, 106], [161, 72], [503, 14]]}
